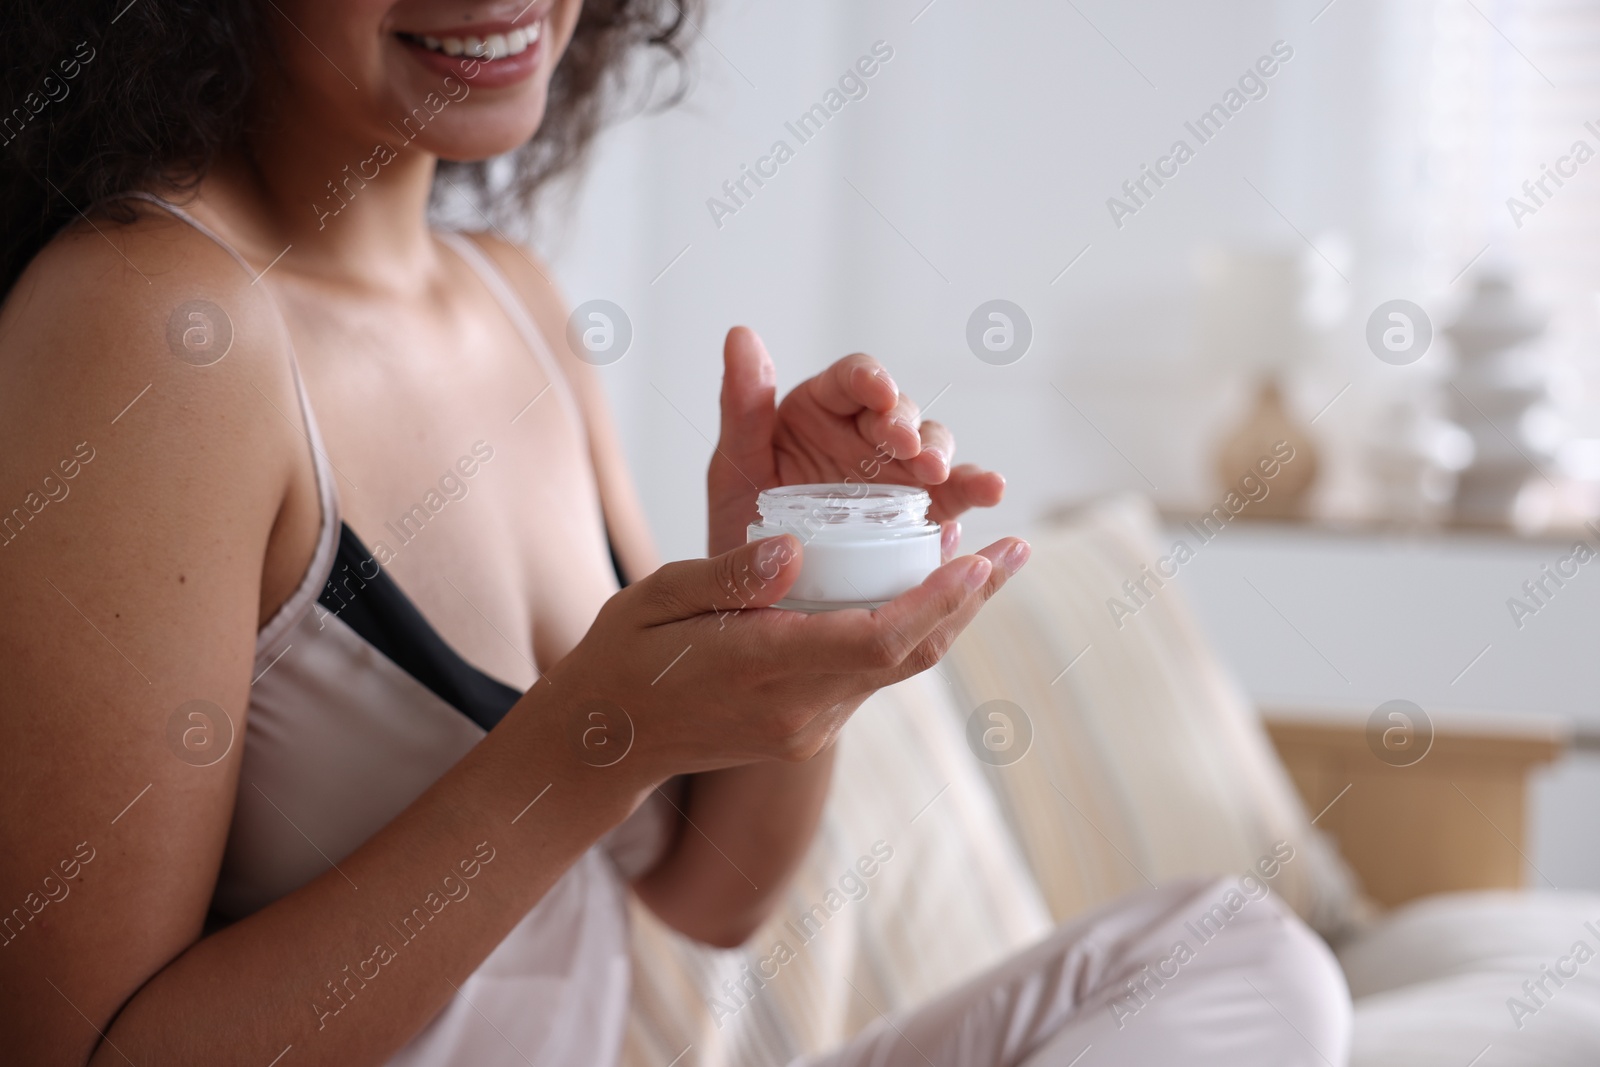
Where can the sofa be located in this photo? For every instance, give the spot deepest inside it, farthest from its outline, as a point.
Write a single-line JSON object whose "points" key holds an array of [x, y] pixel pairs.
{"points": [[1062, 755]]}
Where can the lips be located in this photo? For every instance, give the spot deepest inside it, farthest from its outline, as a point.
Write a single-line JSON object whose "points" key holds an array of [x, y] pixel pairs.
{"points": [[495, 55]]}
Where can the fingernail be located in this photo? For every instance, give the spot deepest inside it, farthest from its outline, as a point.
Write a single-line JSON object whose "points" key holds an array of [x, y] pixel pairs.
{"points": [[883, 376], [938, 454], [978, 573], [1015, 557], [905, 424]]}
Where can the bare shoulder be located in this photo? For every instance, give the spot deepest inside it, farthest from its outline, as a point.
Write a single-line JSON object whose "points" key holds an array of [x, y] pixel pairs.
{"points": [[145, 346], [153, 303]]}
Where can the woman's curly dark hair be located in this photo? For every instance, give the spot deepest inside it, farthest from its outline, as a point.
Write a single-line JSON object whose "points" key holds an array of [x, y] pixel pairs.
{"points": [[100, 97]]}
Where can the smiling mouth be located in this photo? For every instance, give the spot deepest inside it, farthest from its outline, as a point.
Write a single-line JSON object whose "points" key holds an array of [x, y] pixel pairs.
{"points": [[489, 47]]}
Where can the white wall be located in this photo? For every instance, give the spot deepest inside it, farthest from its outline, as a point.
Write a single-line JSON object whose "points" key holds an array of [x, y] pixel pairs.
{"points": [[991, 143]]}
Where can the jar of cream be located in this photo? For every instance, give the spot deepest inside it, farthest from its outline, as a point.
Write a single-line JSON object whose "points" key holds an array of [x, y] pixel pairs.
{"points": [[863, 544]]}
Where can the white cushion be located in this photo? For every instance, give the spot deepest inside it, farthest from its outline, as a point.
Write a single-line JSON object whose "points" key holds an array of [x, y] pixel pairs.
{"points": [[1435, 982]]}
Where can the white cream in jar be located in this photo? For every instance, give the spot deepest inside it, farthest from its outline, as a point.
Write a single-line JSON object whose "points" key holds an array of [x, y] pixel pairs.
{"points": [[863, 544]]}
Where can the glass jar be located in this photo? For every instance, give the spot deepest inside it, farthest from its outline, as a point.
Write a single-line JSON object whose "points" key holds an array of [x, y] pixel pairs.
{"points": [[863, 544]]}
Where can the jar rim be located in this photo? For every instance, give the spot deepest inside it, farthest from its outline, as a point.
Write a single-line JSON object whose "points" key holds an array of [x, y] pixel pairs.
{"points": [[844, 504]]}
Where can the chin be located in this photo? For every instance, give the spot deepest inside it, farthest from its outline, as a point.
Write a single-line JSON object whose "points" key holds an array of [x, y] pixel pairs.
{"points": [[476, 134]]}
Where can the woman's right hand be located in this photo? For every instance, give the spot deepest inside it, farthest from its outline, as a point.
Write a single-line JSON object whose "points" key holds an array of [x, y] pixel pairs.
{"points": [[707, 675]]}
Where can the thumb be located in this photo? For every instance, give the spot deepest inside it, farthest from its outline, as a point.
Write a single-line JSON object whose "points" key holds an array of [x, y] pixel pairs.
{"points": [[749, 401], [754, 575]]}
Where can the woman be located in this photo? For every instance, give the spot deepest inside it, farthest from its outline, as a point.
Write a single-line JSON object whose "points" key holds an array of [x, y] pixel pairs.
{"points": [[327, 734]]}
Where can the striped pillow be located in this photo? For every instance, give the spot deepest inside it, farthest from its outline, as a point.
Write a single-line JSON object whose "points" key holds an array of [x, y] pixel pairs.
{"points": [[1147, 762]]}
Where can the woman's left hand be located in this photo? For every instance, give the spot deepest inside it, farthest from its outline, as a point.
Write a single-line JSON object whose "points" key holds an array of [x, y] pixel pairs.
{"points": [[849, 423]]}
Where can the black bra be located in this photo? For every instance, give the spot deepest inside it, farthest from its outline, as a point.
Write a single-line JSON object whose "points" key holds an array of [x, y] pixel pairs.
{"points": [[376, 608]]}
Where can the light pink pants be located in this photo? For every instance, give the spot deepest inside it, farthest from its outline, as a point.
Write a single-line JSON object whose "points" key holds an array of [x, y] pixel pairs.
{"points": [[1196, 973]]}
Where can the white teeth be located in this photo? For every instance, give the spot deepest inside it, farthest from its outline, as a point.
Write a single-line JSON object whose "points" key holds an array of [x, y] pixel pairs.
{"points": [[495, 46]]}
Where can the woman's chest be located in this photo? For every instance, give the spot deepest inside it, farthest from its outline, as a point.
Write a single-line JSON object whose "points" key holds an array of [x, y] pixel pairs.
{"points": [[462, 463]]}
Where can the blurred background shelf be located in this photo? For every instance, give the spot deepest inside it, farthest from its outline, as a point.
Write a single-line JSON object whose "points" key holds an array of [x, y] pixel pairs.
{"points": [[1313, 617], [1454, 820]]}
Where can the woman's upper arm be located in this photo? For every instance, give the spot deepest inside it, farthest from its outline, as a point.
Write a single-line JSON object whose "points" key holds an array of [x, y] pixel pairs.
{"points": [[625, 518], [138, 491]]}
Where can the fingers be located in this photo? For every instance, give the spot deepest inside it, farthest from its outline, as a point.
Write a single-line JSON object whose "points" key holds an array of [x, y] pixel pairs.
{"points": [[931, 465], [749, 393], [912, 632], [1007, 557], [754, 575], [968, 486], [893, 431], [857, 641], [888, 421], [853, 383]]}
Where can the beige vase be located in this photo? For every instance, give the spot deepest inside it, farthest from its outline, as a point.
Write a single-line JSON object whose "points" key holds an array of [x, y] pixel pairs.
{"points": [[1268, 434]]}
